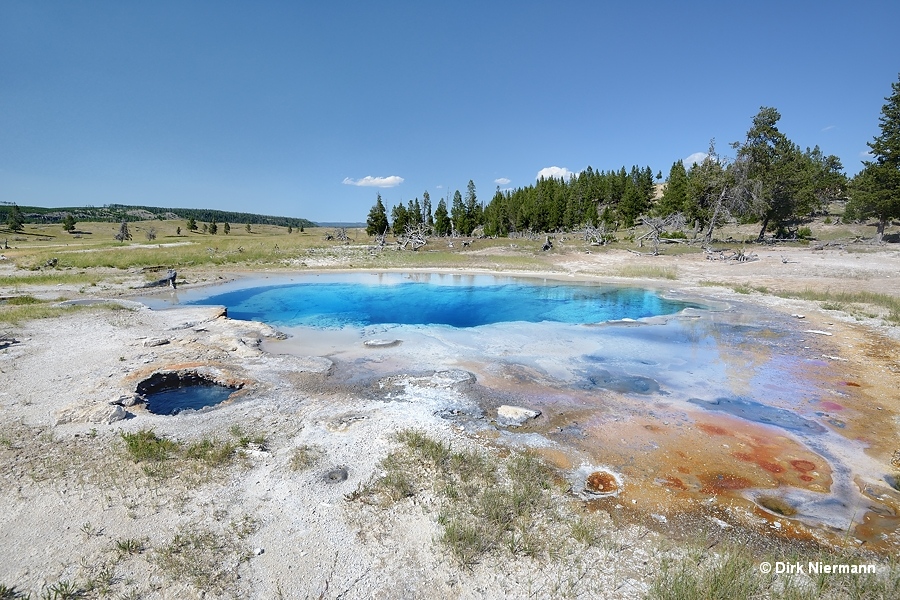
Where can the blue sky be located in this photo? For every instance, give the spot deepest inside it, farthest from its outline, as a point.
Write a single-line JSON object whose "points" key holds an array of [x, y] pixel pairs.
{"points": [[291, 108]]}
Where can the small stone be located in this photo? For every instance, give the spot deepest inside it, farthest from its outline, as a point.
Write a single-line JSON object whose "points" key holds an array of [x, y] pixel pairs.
{"points": [[258, 551], [127, 400], [151, 342]]}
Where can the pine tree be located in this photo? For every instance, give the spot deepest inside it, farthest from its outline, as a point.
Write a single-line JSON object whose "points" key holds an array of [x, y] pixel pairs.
{"points": [[875, 191], [192, 224], [123, 234], [442, 225], [458, 215], [399, 219], [15, 220], [69, 223], [674, 198], [377, 221], [474, 212], [213, 228], [226, 228], [426, 210]]}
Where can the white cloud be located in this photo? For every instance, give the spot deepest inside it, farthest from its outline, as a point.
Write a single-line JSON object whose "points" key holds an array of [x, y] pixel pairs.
{"points": [[501, 181], [829, 128], [440, 187], [555, 172], [369, 181], [695, 158], [866, 154]]}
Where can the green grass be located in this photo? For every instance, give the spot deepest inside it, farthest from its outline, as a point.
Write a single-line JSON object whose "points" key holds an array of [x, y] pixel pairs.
{"points": [[146, 446], [213, 452], [127, 546]]}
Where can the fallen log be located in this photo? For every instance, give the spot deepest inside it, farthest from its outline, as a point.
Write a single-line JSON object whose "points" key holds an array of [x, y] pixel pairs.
{"points": [[169, 279]]}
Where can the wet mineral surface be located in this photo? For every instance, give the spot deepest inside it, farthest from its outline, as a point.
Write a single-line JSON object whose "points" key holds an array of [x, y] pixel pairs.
{"points": [[741, 416]]}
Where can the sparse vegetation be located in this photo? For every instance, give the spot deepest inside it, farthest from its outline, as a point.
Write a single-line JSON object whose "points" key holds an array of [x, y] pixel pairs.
{"points": [[213, 452], [11, 593], [303, 457], [647, 272], [128, 546], [733, 573], [486, 504], [159, 456], [146, 446]]}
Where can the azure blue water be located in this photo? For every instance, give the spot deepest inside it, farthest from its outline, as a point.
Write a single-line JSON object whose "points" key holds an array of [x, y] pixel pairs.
{"points": [[456, 301]]}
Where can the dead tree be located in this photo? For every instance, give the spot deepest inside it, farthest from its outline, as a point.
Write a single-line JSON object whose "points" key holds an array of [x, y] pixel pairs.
{"points": [[597, 236], [659, 225], [169, 279], [414, 236]]}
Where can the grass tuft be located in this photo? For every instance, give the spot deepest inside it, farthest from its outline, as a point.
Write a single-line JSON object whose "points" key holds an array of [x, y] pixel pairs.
{"points": [[304, 457], [146, 446], [211, 451]]}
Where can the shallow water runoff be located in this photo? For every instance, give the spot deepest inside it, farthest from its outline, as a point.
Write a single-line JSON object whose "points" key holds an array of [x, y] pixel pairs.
{"points": [[695, 409]]}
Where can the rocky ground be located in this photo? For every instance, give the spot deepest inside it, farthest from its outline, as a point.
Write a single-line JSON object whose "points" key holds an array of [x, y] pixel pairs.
{"points": [[291, 496]]}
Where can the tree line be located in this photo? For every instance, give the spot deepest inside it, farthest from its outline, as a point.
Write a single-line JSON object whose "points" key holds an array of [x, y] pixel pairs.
{"points": [[120, 212], [769, 180]]}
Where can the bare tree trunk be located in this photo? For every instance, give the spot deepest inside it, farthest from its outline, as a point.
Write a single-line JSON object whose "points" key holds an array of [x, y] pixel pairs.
{"points": [[879, 233], [762, 231], [715, 216]]}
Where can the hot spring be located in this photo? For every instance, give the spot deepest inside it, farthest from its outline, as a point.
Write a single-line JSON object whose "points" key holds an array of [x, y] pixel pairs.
{"points": [[682, 399]]}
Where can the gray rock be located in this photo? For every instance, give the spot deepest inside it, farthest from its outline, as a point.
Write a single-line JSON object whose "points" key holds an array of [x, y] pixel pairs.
{"points": [[515, 415], [127, 400], [451, 378], [106, 414], [149, 343], [91, 413], [381, 343]]}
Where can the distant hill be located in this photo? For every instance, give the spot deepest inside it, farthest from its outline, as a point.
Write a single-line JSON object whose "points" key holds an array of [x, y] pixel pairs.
{"points": [[120, 212]]}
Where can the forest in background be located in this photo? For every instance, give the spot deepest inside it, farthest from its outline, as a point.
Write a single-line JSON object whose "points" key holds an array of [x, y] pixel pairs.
{"points": [[769, 180]]}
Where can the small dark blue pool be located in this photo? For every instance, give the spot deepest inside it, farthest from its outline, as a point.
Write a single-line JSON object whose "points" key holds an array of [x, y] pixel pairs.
{"points": [[189, 397]]}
